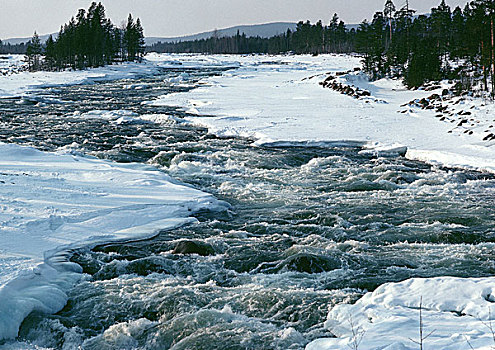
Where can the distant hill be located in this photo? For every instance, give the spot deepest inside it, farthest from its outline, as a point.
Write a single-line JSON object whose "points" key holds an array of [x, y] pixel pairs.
{"points": [[263, 30], [15, 41]]}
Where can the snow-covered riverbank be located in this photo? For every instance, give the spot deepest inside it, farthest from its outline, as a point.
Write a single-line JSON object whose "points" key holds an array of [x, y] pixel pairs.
{"points": [[277, 99], [24, 82], [53, 202]]}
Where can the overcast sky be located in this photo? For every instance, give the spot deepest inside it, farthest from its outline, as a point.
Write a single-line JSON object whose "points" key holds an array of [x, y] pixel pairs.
{"points": [[169, 18]]}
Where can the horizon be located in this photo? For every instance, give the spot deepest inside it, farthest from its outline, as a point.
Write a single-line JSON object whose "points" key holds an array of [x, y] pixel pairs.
{"points": [[192, 16]]}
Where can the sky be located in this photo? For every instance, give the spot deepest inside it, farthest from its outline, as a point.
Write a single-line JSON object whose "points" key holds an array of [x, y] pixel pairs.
{"points": [[171, 18]]}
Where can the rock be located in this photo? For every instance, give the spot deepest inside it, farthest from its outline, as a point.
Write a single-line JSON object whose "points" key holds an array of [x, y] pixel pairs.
{"points": [[464, 121], [310, 263], [488, 137], [423, 103], [193, 247]]}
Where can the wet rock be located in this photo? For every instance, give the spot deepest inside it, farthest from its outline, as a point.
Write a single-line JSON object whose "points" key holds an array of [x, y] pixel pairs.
{"points": [[193, 247], [146, 266], [434, 97], [433, 87], [310, 263]]}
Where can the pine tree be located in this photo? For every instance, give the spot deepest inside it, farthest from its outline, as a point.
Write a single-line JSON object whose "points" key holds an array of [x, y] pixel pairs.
{"points": [[130, 39], [389, 13], [50, 53], [140, 43], [441, 23], [33, 53]]}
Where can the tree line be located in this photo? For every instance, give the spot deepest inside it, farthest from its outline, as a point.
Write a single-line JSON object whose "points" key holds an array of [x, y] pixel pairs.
{"points": [[12, 48], [445, 43], [307, 38], [87, 40]]}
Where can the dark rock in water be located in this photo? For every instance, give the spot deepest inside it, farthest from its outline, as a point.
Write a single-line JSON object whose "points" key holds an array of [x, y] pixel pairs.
{"points": [[193, 247], [310, 263], [149, 265]]}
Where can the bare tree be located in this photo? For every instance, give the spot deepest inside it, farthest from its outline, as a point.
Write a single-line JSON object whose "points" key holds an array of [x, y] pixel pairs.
{"points": [[422, 337]]}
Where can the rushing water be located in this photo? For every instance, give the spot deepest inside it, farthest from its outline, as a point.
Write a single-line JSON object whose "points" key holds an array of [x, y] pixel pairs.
{"points": [[309, 227]]}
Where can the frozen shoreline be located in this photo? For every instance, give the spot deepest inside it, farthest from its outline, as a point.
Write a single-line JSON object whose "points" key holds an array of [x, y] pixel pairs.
{"points": [[53, 203], [277, 99]]}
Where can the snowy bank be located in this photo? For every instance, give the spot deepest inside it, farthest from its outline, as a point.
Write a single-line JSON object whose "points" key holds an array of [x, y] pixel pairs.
{"points": [[279, 98], [458, 312], [16, 84], [52, 203]]}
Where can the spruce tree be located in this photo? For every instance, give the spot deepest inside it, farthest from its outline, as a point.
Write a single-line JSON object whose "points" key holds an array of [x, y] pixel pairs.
{"points": [[33, 53], [50, 53]]}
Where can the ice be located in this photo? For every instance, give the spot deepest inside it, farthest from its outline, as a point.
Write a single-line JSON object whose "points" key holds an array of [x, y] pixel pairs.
{"points": [[279, 99], [52, 203], [22, 83]]}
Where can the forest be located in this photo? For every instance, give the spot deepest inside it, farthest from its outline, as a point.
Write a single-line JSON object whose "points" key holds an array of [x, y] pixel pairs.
{"points": [[87, 40], [396, 42]]}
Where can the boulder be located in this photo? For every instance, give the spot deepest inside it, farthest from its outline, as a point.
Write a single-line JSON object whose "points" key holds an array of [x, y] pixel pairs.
{"points": [[193, 247]]}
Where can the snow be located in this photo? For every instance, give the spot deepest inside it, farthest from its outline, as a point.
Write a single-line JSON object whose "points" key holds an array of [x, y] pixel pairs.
{"points": [[276, 99], [11, 64], [458, 311], [51, 203], [18, 84]]}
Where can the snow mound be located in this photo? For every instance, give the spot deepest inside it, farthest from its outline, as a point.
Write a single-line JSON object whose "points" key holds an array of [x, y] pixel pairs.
{"points": [[458, 311]]}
